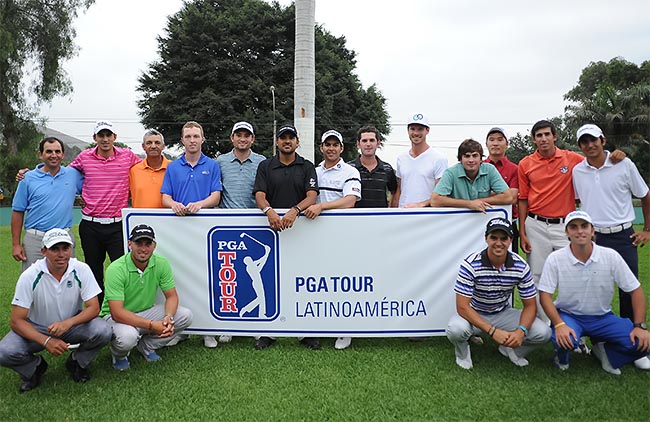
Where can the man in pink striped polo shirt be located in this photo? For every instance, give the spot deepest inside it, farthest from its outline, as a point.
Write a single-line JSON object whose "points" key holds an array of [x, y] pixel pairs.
{"points": [[105, 192]]}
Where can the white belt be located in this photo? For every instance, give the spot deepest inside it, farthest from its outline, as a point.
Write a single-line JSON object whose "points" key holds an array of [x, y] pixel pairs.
{"points": [[41, 233], [613, 229], [101, 220]]}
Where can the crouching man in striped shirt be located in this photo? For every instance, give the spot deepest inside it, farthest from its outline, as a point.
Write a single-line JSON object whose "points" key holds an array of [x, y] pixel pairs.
{"points": [[485, 282]]}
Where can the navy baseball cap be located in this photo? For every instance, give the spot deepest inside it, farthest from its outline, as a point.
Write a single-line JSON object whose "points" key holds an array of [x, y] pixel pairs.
{"points": [[142, 231], [499, 224]]}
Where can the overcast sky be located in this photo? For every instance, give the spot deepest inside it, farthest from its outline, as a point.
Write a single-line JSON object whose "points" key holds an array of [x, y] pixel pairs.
{"points": [[467, 65]]}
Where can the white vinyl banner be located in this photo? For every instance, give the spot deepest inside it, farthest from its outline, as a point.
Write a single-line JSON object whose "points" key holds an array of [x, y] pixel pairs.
{"points": [[357, 272]]}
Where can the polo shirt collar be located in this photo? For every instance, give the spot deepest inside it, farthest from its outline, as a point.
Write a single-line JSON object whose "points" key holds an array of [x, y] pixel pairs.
{"points": [[482, 171], [275, 162], [132, 268], [500, 162], [595, 255], [485, 261], [607, 163], [184, 162], [165, 162], [335, 167], [558, 154], [231, 157]]}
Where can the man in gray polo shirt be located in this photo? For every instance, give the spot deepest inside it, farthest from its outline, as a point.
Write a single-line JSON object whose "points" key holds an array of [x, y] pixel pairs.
{"points": [[238, 170]]}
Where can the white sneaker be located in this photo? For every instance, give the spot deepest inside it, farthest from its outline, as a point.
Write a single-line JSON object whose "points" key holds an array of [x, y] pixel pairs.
{"points": [[510, 354], [210, 342], [177, 339], [643, 363], [598, 350], [343, 343], [225, 339], [464, 362]]}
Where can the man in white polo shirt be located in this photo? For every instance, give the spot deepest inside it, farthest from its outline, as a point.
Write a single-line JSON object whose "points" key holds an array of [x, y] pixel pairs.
{"points": [[419, 169], [605, 191], [584, 276], [339, 186], [54, 308]]}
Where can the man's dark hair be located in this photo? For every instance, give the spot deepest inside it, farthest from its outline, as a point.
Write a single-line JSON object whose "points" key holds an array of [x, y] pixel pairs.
{"points": [[469, 145], [49, 140], [369, 128], [543, 124]]}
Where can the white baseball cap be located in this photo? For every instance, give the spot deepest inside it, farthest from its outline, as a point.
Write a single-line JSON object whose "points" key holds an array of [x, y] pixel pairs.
{"points": [[54, 236], [577, 215], [329, 134], [589, 129], [242, 125], [103, 124], [418, 119]]}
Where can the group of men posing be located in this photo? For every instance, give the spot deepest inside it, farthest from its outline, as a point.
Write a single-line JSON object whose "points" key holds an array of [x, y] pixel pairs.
{"points": [[128, 318]]}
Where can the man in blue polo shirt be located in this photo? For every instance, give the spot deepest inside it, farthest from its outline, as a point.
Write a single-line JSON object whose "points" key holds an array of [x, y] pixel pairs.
{"points": [[47, 194], [192, 182], [471, 183], [485, 282]]}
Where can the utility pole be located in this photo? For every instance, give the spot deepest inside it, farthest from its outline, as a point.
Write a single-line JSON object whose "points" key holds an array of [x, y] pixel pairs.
{"points": [[304, 86]]}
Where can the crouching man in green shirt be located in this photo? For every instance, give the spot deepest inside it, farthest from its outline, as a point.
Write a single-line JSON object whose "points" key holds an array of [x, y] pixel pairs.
{"points": [[131, 285]]}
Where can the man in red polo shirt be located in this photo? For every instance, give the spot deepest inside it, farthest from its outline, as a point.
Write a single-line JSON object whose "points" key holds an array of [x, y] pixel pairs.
{"points": [[497, 144]]}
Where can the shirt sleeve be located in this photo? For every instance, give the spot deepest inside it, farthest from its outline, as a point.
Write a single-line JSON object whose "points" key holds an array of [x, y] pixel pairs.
{"points": [[23, 296], [638, 186], [446, 185], [523, 180], [261, 178], [216, 178], [391, 182], [439, 168], [115, 278], [549, 279], [166, 187], [166, 275], [526, 286], [465, 280], [352, 185], [311, 180], [19, 202]]}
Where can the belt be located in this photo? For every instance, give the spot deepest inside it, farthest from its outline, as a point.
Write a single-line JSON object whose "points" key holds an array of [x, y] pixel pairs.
{"points": [[101, 220], [547, 220], [41, 233], [613, 229]]}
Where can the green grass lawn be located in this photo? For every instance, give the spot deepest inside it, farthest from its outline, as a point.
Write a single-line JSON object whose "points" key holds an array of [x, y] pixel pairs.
{"points": [[376, 379]]}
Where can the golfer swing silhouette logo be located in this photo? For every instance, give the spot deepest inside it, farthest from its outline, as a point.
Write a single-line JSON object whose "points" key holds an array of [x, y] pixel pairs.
{"points": [[244, 280]]}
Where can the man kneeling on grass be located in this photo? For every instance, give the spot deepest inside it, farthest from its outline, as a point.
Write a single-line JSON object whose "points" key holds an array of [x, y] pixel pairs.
{"points": [[55, 308], [485, 282], [132, 282], [585, 275]]}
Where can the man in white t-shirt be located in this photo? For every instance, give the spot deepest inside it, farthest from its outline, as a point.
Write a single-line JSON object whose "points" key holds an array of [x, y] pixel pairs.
{"points": [[419, 169], [339, 186], [55, 308], [584, 276]]}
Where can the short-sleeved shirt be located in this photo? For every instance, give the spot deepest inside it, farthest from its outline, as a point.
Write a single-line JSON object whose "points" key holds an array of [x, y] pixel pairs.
{"points": [[418, 175], [508, 170], [586, 288], [145, 184], [47, 199], [546, 182], [106, 181], [186, 184], [238, 180], [606, 192], [285, 185], [338, 181], [137, 289], [375, 184], [50, 300], [455, 183], [490, 288]]}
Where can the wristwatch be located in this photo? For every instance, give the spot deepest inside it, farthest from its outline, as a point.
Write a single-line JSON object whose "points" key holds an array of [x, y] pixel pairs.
{"points": [[640, 325], [266, 209], [171, 317]]}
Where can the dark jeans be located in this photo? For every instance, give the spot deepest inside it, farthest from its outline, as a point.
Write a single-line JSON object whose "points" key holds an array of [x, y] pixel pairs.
{"points": [[97, 240], [622, 244]]}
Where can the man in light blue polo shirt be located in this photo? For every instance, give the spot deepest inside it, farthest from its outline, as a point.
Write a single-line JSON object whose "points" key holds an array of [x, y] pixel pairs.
{"points": [[471, 183], [238, 168], [47, 194]]}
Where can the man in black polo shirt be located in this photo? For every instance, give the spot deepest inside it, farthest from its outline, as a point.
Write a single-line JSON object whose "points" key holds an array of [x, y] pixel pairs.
{"points": [[377, 177], [285, 181]]}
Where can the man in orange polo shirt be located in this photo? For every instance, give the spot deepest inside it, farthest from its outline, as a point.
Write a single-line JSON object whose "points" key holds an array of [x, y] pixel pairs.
{"points": [[146, 177], [545, 196]]}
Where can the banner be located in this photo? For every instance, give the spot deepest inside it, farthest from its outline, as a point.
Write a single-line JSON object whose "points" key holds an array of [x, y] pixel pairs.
{"points": [[356, 272]]}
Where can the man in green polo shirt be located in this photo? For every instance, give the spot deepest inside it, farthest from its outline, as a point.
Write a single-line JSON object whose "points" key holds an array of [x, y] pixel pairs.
{"points": [[471, 183], [132, 282]]}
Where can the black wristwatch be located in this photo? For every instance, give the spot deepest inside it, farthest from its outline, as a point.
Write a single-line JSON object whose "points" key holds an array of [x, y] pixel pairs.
{"points": [[640, 325]]}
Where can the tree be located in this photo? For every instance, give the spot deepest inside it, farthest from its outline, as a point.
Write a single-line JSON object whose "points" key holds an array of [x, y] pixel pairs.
{"points": [[519, 146], [213, 71], [35, 37], [616, 97]]}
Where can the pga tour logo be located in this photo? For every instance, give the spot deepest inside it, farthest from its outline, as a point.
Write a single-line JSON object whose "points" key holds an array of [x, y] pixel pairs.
{"points": [[244, 273]]}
